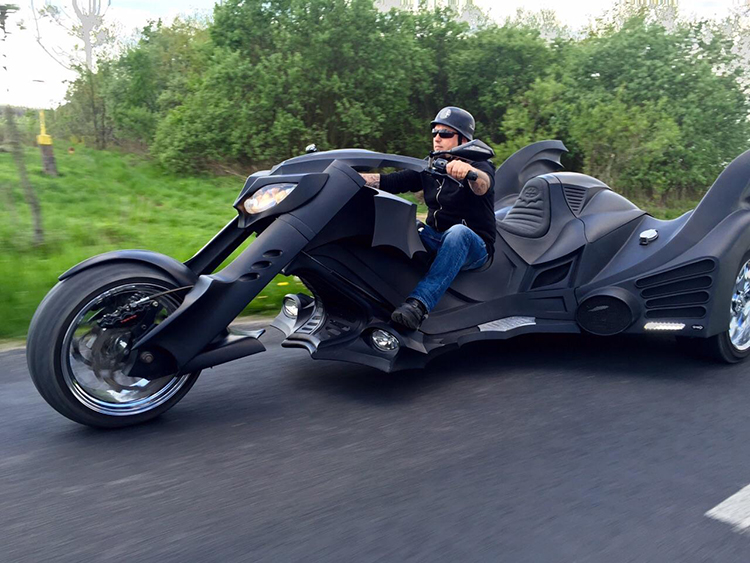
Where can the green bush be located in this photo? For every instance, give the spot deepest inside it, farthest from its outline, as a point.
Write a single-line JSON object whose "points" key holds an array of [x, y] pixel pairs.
{"points": [[655, 106]]}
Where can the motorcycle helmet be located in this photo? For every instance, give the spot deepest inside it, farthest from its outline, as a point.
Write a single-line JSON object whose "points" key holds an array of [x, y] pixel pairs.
{"points": [[457, 118]]}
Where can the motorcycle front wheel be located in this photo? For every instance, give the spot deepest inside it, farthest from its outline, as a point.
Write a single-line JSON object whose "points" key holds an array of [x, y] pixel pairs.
{"points": [[78, 347]]}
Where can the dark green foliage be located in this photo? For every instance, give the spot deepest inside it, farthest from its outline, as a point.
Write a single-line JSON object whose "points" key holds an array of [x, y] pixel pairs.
{"points": [[655, 112], [333, 72], [493, 67], [123, 102]]}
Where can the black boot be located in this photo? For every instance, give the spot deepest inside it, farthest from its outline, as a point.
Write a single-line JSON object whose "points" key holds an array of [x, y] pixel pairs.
{"points": [[410, 314]]}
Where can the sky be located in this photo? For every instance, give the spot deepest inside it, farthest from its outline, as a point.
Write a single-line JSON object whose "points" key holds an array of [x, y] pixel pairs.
{"points": [[34, 79]]}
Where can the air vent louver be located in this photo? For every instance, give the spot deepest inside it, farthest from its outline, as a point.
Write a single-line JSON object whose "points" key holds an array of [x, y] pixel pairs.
{"points": [[575, 196], [678, 313], [686, 271], [695, 298], [690, 284], [672, 294], [551, 276]]}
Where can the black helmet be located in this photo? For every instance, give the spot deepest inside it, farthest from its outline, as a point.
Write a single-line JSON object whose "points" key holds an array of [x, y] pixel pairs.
{"points": [[457, 118]]}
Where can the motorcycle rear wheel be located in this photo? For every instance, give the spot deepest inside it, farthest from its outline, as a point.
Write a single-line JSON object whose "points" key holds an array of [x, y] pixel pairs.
{"points": [[79, 362]]}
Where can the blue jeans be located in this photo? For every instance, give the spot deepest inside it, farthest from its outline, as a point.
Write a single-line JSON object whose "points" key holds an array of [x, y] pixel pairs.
{"points": [[458, 248]]}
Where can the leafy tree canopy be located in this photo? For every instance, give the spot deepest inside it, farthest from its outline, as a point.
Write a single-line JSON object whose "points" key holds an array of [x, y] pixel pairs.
{"points": [[653, 105]]}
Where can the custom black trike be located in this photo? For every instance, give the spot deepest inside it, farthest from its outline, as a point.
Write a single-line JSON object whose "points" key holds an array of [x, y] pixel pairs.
{"points": [[123, 336]]}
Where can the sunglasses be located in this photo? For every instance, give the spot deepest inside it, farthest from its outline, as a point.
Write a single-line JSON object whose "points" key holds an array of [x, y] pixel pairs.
{"points": [[444, 133]]}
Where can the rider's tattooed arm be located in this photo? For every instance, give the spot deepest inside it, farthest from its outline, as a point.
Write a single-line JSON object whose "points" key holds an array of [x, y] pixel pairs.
{"points": [[459, 169], [371, 180], [481, 184]]}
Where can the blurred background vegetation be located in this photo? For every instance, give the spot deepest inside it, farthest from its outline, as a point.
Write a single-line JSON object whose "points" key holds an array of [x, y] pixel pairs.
{"points": [[165, 128]]}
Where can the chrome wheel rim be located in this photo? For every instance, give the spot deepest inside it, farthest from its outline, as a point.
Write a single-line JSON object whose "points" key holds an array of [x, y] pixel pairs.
{"points": [[739, 324], [95, 360]]}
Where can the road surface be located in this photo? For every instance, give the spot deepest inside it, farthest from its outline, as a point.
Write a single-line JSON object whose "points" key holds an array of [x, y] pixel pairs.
{"points": [[538, 449]]}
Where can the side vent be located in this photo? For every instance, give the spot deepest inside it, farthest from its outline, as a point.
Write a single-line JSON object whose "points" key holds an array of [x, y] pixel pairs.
{"points": [[686, 271], [681, 313], [690, 284], [575, 197], [313, 322], [678, 300], [674, 294], [551, 276]]}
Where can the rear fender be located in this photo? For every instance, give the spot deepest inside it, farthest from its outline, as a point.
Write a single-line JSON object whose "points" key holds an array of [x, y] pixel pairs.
{"points": [[729, 193], [177, 270], [728, 242]]}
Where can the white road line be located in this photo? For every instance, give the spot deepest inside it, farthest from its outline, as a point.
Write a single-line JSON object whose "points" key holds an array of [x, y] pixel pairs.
{"points": [[735, 510]]}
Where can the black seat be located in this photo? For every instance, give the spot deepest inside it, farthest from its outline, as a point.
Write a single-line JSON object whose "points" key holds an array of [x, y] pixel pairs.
{"points": [[530, 215]]}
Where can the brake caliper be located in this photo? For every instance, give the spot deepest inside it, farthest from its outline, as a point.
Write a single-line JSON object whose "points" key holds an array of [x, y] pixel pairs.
{"points": [[137, 315]]}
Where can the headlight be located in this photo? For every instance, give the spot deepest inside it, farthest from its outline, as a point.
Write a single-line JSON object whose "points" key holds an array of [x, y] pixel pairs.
{"points": [[267, 197], [290, 307]]}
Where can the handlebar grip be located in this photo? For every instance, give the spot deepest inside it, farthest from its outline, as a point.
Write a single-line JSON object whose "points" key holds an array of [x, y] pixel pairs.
{"points": [[472, 176]]}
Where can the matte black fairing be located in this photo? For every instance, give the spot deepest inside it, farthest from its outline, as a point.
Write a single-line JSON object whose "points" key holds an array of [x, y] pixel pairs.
{"points": [[218, 298], [358, 159]]}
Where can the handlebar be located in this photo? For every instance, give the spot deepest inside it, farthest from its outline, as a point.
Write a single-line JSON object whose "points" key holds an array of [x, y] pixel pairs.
{"points": [[438, 166]]}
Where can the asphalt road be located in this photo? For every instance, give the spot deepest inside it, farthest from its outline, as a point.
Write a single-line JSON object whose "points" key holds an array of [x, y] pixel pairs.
{"points": [[563, 449]]}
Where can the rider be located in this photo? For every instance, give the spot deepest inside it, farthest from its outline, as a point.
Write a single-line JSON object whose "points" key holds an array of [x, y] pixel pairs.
{"points": [[460, 229]]}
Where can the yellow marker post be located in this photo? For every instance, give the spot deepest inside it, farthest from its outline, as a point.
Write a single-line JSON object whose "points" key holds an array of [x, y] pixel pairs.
{"points": [[43, 138], [45, 145]]}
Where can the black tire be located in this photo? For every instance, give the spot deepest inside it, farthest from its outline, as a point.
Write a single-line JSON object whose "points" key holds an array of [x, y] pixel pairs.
{"points": [[719, 347], [50, 325]]}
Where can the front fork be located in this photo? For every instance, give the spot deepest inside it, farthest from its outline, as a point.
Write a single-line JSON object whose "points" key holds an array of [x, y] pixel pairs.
{"points": [[217, 299]]}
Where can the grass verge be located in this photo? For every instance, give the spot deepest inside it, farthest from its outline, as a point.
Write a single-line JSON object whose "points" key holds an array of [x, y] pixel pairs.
{"points": [[102, 201]]}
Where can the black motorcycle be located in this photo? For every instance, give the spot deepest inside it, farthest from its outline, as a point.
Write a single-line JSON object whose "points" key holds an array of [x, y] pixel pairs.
{"points": [[124, 335]]}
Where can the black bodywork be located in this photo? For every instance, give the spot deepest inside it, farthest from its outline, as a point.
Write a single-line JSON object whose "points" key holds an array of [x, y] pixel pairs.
{"points": [[570, 256]]}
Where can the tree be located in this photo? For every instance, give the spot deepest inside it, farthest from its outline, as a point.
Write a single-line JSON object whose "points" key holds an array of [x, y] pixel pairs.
{"points": [[334, 72], [545, 22], [493, 66], [87, 26], [153, 76], [5, 11], [86, 113], [667, 103], [28, 189], [17, 148]]}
